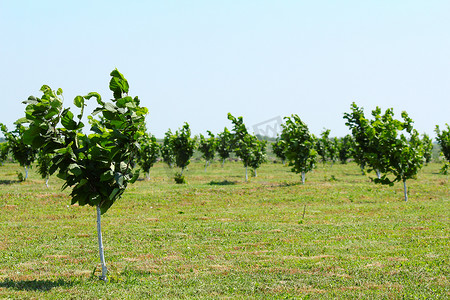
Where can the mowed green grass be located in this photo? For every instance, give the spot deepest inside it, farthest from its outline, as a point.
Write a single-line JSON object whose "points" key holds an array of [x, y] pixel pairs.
{"points": [[218, 237]]}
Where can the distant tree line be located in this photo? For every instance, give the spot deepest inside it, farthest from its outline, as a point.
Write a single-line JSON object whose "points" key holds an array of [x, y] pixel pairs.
{"points": [[382, 144]]}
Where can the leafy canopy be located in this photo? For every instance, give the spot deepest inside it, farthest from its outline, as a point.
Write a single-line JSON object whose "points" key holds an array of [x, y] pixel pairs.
{"points": [[224, 144], [148, 153], [167, 149], [16, 144], [98, 166], [247, 147], [299, 145], [183, 146], [208, 146], [443, 139]]}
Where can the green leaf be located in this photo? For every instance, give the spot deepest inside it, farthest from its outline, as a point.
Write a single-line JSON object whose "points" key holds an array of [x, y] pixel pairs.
{"points": [[67, 120], [32, 133], [135, 177], [113, 193], [106, 176], [31, 100], [78, 101], [96, 95], [110, 107], [81, 183], [122, 102], [75, 169], [118, 84], [119, 179], [22, 121]]}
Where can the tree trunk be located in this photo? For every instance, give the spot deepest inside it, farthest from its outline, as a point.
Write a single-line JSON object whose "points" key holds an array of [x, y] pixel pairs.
{"points": [[223, 162], [256, 174], [46, 181], [303, 177], [246, 174], [405, 190], [100, 245], [181, 173], [26, 173], [206, 165], [362, 170], [148, 175], [378, 174]]}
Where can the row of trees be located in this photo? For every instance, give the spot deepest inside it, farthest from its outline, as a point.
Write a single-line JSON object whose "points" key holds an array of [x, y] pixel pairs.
{"points": [[367, 146], [178, 148], [390, 147]]}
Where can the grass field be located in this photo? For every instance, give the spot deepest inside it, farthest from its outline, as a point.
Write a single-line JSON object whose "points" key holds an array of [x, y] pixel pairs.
{"points": [[218, 237]]}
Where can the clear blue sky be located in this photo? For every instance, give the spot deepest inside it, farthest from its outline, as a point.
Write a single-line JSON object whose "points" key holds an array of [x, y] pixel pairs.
{"points": [[195, 61]]}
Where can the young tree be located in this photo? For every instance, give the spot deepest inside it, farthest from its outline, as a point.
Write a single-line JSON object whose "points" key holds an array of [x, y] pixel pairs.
{"points": [[148, 154], [278, 150], [224, 144], [24, 154], [345, 148], [399, 155], [44, 162], [333, 150], [323, 145], [167, 149], [208, 146], [4, 152], [98, 166], [359, 125], [299, 145], [443, 139], [368, 150], [245, 145], [183, 147], [427, 147], [259, 155], [405, 159]]}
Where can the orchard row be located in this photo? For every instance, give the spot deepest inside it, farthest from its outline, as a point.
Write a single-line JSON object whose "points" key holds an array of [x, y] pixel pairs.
{"points": [[384, 145]]}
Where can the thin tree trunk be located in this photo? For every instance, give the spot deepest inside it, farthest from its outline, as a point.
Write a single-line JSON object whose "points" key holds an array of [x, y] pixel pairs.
{"points": [[26, 173], [148, 175], [256, 174], [206, 165], [378, 174], [405, 190], [182, 169], [303, 177], [362, 170], [246, 174], [223, 162], [46, 181], [100, 245]]}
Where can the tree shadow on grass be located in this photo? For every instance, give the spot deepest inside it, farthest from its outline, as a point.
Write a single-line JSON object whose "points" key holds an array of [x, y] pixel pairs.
{"points": [[34, 285], [223, 182], [9, 181], [288, 184]]}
